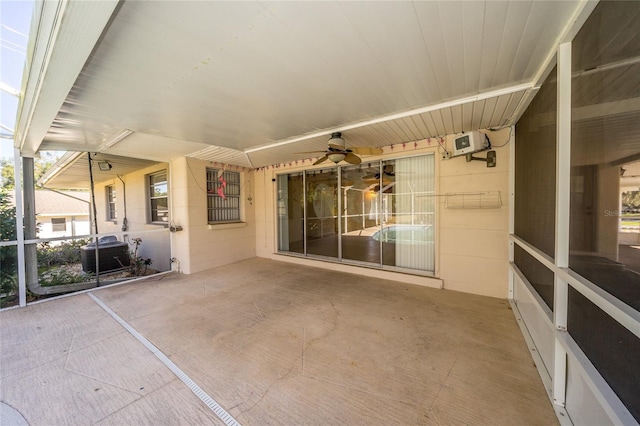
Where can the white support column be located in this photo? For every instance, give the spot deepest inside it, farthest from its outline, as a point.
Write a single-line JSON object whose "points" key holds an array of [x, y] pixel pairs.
{"points": [[563, 176], [22, 281], [512, 204], [29, 221], [339, 212], [563, 156]]}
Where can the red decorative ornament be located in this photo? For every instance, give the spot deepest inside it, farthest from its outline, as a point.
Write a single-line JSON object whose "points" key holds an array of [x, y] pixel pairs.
{"points": [[223, 185]]}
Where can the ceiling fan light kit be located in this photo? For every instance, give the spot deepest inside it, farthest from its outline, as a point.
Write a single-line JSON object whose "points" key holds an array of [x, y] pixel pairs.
{"points": [[336, 157]]}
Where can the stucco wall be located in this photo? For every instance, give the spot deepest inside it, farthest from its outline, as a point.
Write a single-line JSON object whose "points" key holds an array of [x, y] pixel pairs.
{"points": [[201, 246], [472, 244], [155, 245]]}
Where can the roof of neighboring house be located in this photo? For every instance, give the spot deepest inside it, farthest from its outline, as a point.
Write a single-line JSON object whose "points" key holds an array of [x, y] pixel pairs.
{"points": [[60, 203]]}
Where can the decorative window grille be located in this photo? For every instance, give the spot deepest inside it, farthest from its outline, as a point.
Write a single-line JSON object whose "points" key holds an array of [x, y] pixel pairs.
{"points": [[223, 196]]}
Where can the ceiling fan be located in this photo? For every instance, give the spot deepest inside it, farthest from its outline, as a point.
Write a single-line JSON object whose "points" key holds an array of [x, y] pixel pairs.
{"points": [[337, 151]]}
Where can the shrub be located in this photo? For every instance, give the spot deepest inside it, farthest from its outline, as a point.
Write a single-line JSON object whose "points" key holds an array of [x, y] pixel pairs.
{"points": [[138, 265], [8, 254], [64, 254], [60, 276]]}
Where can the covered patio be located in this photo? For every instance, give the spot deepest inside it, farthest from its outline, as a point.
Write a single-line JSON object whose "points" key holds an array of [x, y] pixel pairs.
{"points": [[269, 343], [250, 143]]}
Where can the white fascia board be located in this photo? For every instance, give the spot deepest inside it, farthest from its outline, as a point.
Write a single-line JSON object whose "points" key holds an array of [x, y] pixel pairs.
{"points": [[63, 34], [60, 166]]}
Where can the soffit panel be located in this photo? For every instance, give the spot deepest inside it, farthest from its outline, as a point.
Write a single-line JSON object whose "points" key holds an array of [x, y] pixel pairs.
{"points": [[431, 124], [76, 174], [244, 74]]}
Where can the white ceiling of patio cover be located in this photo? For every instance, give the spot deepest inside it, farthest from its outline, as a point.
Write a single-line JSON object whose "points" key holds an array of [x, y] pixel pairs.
{"points": [[240, 75]]}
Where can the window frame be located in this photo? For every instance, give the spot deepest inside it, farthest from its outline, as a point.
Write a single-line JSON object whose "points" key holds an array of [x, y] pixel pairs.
{"points": [[151, 185], [231, 207], [110, 194], [63, 224]]}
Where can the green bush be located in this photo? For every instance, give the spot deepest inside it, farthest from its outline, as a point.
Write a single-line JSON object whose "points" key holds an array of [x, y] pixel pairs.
{"points": [[64, 254], [8, 254], [138, 265], [60, 276]]}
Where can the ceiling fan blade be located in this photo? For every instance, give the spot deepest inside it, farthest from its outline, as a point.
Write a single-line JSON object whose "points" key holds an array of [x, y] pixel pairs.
{"points": [[366, 150], [307, 152], [320, 160], [352, 158]]}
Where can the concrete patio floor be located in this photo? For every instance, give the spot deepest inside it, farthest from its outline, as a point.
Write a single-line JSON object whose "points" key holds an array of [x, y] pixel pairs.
{"points": [[272, 343]]}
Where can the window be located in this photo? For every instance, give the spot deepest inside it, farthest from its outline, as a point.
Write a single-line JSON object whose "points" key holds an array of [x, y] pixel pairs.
{"points": [[111, 202], [58, 224], [158, 197], [223, 196]]}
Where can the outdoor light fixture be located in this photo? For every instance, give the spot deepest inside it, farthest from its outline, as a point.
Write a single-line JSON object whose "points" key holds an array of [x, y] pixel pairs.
{"points": [[104, 166]]}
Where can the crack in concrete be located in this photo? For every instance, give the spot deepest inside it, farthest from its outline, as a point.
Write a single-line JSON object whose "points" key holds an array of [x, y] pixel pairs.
{"points": [[442, 386]]}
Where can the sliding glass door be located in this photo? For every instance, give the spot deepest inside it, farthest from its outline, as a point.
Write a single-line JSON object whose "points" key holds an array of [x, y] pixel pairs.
{"points": [[290, 205], [408, 213], [321, 194], [361, 212], [380, 213]]}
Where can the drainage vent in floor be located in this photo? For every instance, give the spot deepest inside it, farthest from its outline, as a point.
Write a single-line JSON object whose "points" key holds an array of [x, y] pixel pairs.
{"points": [[197, 390]]}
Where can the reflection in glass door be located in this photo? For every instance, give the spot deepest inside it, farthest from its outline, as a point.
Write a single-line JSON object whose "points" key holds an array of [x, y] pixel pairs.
{"points": [[360, 212], [322, 212], [291, 212]]}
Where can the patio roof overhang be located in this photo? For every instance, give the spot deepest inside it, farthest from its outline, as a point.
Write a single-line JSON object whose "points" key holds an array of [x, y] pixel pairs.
{"points": [[71, 171], [252, 83]]}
